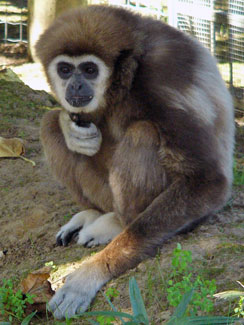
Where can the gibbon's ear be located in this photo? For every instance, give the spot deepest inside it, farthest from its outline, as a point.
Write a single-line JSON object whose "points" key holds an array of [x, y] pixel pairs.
{"points": [[124, 70]]}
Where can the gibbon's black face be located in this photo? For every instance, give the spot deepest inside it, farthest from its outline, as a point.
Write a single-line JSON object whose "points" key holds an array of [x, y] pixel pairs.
{"points": [[79, 91], [79, 82]]}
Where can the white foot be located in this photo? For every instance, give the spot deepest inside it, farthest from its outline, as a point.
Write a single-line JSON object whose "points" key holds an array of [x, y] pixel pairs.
{"points": [[79, 221], [101, 231]]}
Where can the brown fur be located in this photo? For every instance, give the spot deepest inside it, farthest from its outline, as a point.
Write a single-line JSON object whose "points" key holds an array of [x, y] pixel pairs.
{"points": [[160, 167]]}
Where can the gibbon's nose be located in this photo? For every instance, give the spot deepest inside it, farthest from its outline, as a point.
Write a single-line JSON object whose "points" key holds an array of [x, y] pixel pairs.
{"points": [[76, 86]]}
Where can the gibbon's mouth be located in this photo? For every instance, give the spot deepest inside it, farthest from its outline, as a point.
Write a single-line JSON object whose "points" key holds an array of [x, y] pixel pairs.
{"points": [[76, 118], [79, 101]]}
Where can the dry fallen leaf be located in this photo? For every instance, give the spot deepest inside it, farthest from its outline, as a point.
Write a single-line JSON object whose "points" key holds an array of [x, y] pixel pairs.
{"points": [[13, 148], [36, 284]]}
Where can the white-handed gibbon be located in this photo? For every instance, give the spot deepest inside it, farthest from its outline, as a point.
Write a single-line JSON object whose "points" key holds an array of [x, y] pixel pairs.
{"points": [[144, 139]]}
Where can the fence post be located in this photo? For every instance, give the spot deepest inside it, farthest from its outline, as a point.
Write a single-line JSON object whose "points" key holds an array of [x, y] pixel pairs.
{"points": [[172, 16], [41, 14]]}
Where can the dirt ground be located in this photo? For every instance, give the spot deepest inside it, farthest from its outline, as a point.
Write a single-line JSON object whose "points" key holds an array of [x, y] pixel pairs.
{"points": [[33, 206]]}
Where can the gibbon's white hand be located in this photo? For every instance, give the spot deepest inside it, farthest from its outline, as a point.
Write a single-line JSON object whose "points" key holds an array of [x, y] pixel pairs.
{"points": [[83, 140]]}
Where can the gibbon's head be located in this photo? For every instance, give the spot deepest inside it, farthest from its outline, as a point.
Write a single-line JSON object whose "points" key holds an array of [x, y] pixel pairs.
{"points": [[87, 52]]}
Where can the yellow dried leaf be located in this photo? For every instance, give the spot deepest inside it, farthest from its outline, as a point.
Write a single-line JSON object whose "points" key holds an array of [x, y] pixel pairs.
{"points": [[11, 147], [35, 279]]}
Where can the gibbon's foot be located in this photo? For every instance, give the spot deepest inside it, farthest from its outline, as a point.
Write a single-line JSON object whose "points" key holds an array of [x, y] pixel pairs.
{"points": [[101, 231], [78, 291], [80, 220]]}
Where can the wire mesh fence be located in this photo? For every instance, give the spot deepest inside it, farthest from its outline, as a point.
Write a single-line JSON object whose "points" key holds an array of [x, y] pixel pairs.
{"points": [[145, 7], [219, 25], [13, 21]]}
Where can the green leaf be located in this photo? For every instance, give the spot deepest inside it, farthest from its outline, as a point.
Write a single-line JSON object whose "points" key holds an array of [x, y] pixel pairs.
{"points": [[104, 313], [5, 323], [93, 322], [112, 306], [28, 318], [204, 320], [137, 301], [210, 320], [181, 308], [109, 302]]}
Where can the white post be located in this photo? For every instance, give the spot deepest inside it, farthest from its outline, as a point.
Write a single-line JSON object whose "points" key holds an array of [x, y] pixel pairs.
{"points": [[172, 13]]}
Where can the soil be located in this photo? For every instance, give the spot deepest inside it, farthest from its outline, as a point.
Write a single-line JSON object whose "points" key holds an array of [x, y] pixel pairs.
{"points": [[33, 206]]}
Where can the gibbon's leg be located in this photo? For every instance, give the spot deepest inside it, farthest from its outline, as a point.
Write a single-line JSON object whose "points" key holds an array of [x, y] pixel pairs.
{"points": [[91, 228], [78, 173], [162, 206]]}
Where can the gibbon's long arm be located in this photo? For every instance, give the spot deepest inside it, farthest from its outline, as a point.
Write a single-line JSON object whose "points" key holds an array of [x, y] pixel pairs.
{"points": [[150, 214], [74, 170]]}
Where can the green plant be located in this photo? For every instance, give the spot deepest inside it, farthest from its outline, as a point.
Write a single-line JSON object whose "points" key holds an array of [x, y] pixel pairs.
{"points": [[22, 134], [150, 292], [182, 279], [67, 217], [112, 293], [239, 309], [179, 318], [52, 265], [234, 295], [13, 304], [105, 320]]}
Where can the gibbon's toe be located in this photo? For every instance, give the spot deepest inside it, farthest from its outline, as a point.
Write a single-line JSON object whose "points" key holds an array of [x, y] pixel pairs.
{"points": [[65, 237], [71, 229], [100, 232]]}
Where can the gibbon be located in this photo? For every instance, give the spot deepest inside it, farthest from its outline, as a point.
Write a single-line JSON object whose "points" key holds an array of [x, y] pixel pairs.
{"points": [[143, 141]]}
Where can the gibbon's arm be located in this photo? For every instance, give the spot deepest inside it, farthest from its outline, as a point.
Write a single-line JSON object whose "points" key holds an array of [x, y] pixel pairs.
{"points": [[168, 201], [64, 163]]}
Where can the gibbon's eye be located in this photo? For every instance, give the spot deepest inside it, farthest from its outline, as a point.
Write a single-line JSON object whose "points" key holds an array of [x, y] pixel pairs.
{"points": [[65, 70], [89, 69]]}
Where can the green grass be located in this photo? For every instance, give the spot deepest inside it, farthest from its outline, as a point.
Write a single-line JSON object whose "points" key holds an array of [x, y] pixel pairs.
{"points": [[238, 171], [18, 101]]}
